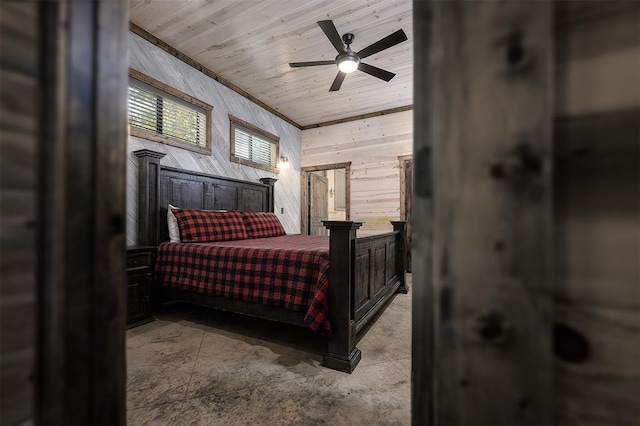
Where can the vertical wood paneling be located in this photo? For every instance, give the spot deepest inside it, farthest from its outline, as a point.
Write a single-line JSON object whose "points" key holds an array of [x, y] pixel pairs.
{"points": [[483, 169], [18, 195], [158, 64], [373, 146]]}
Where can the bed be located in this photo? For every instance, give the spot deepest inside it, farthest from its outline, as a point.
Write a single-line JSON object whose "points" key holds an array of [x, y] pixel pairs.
{"points": [[362, 274]]}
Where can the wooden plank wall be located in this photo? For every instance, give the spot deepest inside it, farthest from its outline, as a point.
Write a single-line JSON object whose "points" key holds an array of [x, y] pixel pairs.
{"points": [[373, 146], [597, 215], [152, 61], [18, 195]]}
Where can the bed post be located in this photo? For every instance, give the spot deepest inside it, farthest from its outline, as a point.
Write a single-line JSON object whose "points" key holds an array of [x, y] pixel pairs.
{"points": [[401, 253], [148, 195], [342, 354], [271, 182]]}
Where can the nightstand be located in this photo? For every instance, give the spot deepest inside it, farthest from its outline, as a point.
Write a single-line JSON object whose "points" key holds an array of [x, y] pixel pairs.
{"points": [[140, 284]]}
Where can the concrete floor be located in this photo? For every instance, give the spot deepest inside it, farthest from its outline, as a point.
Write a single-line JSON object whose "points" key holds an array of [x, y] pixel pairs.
{"points": [[203, 367]]}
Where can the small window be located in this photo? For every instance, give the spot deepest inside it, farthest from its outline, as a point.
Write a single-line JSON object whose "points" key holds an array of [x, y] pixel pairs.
{"points": [[252, 146], [163, 114]]}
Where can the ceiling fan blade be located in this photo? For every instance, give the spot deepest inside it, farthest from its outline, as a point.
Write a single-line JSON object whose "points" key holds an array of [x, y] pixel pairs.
{"points": [[382, 44], [376, 72], [338, 81], [332, 34], [310, 63]]}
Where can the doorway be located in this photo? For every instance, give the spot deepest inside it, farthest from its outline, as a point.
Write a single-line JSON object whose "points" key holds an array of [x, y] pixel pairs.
{"points": [[325, 195], [318, 187]]}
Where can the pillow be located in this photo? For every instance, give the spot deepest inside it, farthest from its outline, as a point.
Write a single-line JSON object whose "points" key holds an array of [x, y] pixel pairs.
{"points": [[200, 226], [172, 225], [262, 225]]}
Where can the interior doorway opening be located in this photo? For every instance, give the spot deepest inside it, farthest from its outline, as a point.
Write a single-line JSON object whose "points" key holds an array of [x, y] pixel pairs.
{"points": [[325, 196]]}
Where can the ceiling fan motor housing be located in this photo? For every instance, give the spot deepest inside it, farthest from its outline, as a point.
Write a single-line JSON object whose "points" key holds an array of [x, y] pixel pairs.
{"points": [[348, 38]]}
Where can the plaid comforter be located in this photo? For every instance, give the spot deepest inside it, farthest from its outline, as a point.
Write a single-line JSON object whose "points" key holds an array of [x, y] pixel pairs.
{"points": [[290, 271]]}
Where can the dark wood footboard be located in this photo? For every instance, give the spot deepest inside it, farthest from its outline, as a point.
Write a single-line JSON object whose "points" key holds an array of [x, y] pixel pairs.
{"points": [[364, 274]]}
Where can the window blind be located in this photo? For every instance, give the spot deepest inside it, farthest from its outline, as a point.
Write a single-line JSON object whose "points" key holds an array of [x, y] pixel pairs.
{"points": [[156, 111], [254, 147]]}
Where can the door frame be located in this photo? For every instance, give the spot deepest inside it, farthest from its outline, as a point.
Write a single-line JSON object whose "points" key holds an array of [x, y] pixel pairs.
{"points": [[403, 184], [80, 366], [404, 159], [304, 171]]}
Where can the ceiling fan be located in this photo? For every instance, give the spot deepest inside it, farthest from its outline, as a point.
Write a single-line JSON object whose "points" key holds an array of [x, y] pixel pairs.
{"points": [[347, 60]]}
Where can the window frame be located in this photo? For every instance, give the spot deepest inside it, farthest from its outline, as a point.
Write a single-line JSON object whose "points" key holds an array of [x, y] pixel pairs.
{"points": [[235, 122], [172, 92]]}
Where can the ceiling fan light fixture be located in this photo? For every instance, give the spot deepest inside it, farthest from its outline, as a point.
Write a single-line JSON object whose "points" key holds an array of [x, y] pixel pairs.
{"points": [[348, 62]]}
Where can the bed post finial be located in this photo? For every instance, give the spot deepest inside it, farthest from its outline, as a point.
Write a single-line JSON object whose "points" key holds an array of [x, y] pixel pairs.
{"points": [[148, 195], [271, 182]]}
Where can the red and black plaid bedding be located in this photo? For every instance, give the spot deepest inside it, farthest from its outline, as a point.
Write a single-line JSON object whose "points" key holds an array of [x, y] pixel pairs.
{"points": [[289, 271]]}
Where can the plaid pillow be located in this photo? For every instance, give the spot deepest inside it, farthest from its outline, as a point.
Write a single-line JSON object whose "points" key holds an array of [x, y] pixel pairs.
{"points": [[262, 225], [200, 226]]}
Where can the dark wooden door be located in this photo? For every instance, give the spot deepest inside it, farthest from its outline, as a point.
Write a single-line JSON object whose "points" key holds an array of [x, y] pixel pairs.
{"points": [[318, 204]]}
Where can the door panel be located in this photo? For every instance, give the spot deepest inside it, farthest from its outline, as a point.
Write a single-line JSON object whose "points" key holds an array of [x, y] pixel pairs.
{"points": [[318, 204]]}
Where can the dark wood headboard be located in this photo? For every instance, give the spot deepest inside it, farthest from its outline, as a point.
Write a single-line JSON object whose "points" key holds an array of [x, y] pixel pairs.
{"points": [[159, 186]]}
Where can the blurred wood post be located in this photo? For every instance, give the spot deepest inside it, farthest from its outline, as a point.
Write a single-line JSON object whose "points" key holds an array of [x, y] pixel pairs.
{"points": [[81, 365], [482, 259]]}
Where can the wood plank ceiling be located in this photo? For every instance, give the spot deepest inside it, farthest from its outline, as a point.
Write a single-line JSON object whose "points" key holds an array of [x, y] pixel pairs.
{"points": [[251, 42]]}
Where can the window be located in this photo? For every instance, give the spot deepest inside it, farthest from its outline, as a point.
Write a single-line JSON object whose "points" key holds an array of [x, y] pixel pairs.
{"points": [[163, 114], [252, 146]]}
